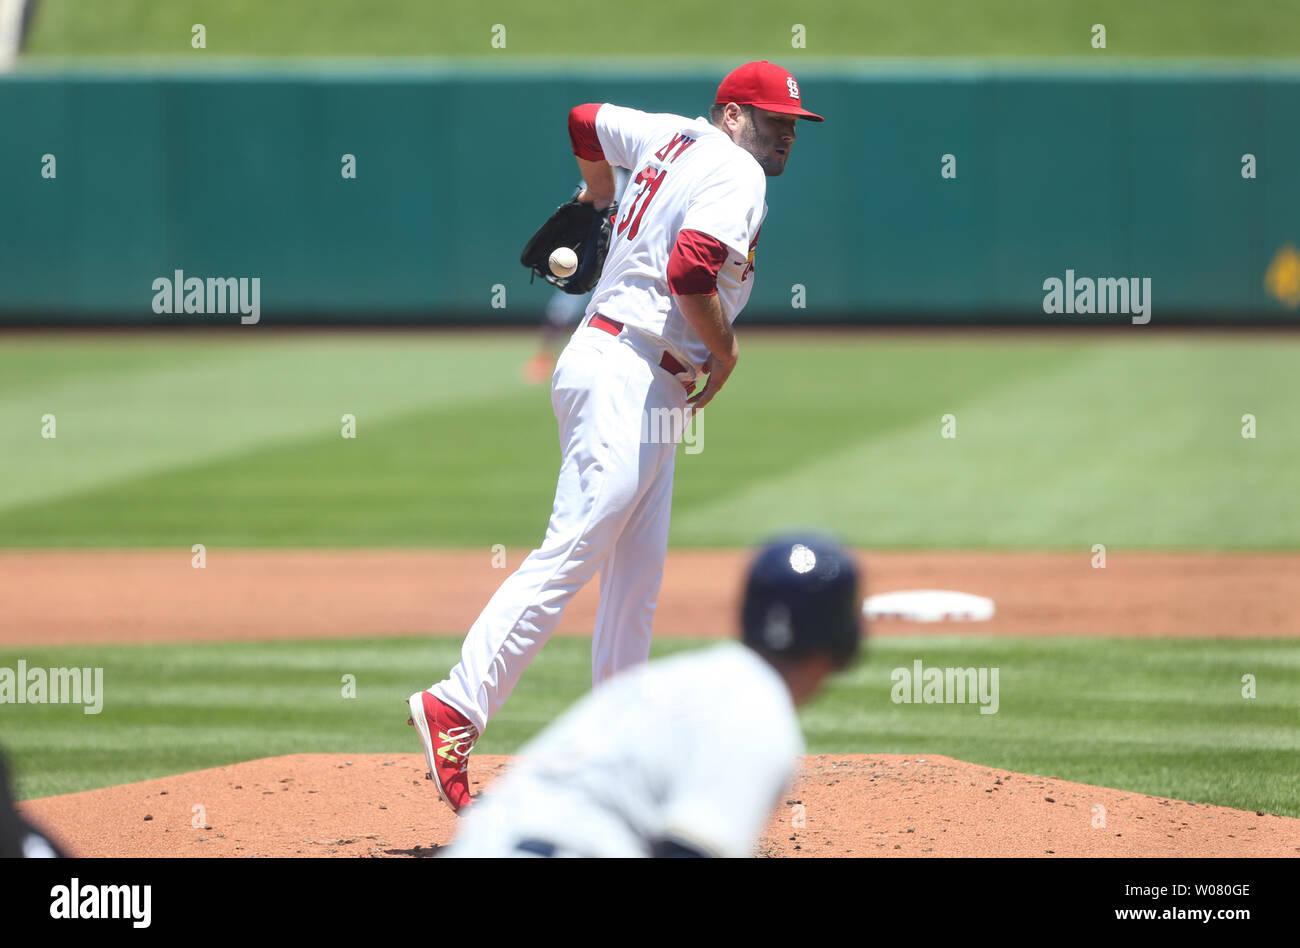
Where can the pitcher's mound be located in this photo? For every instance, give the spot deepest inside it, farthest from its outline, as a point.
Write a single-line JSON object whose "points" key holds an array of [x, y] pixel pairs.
{"points": [[882, 805]]}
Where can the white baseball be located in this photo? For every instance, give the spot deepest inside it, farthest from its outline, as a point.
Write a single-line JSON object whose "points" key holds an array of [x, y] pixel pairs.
{"points": [[563, 262]]}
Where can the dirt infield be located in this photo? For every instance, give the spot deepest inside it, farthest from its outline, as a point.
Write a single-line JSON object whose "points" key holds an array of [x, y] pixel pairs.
{"points": [[376, 805], [60, 598], [381, 805]]}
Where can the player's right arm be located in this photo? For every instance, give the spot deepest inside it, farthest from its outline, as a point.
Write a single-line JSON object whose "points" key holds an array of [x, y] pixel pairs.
{"points": [[599, 176], [596, 171], [604, 136]]}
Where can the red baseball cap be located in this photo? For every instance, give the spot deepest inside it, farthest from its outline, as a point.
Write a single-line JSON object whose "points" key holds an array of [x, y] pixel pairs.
{"points": [[766, 86]]}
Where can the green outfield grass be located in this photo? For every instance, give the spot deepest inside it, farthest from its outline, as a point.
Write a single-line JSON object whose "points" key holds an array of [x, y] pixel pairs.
{"points": [[1160, 717], [1062, 441], [585, 28]]}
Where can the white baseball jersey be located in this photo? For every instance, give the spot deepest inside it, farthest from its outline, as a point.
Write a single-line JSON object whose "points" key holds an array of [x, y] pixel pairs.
{"points": [[697, 748], [686, 175]]}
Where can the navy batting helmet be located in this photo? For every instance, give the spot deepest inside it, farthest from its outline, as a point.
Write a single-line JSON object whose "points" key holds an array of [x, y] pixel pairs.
{"points": [[802, 599]]}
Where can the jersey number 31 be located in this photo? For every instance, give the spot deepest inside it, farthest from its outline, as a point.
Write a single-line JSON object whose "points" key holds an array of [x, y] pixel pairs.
{"points": [[649, 179]]}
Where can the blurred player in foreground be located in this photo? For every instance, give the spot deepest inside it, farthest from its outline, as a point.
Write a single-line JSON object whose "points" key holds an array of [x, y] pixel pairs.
{"points": [[18, 838], [686, 756]]}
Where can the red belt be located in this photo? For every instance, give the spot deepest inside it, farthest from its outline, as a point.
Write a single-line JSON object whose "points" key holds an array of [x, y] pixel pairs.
{"points": [[614, 327]]}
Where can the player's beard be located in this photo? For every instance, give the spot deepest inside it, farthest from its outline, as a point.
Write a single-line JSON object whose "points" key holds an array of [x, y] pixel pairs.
{"points": [[762, 147]]}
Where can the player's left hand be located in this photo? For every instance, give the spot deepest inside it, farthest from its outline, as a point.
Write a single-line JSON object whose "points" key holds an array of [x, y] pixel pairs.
{"points": [[718, 371]]}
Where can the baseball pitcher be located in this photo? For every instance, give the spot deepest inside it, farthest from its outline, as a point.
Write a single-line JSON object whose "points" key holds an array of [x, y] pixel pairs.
{"points": [[678, 269]]}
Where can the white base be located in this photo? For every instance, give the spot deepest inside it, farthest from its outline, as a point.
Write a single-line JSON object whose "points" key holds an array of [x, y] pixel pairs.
{"points": [[929, 605]]}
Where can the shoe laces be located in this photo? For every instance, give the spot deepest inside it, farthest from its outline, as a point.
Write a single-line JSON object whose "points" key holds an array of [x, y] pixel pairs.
{"points": [[461, 739]]}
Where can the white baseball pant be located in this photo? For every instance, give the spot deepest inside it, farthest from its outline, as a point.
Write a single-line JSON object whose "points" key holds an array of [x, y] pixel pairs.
{"points": [[611, 513]]}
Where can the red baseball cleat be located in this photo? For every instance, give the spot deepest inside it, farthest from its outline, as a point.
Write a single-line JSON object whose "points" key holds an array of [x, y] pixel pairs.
{"points": [[447, 738]]}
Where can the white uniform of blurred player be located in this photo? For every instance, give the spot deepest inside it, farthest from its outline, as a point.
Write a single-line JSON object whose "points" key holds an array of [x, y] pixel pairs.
{"points": [[687, 755], [678, 272]]}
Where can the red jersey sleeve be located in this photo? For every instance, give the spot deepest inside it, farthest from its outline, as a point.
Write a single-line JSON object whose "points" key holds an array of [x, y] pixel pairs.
{"points": [[694, 263], [582, 132]]}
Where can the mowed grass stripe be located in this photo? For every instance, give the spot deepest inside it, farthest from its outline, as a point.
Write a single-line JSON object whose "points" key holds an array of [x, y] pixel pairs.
{"points": [[40, 362], [1137, 445], [1165, 717], [436, 477], [167, 407], [797, 402]]}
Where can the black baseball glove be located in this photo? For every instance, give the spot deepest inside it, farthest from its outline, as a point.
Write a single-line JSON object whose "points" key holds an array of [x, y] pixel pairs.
{"points": [[579, 227]]}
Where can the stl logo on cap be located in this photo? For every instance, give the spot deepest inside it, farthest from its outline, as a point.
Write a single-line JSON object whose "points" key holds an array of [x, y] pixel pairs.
{"points": [[760, 84]]}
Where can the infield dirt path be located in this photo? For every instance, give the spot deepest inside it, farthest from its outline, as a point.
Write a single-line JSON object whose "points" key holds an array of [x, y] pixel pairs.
{"points": [[60, 598], [378, 805]]}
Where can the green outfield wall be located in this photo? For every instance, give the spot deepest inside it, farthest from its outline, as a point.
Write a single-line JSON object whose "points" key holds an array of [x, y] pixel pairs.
{"points": [[1121, 174]]}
